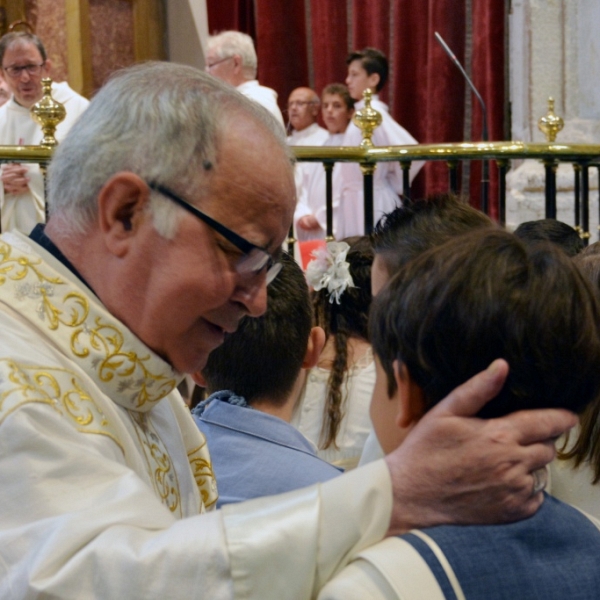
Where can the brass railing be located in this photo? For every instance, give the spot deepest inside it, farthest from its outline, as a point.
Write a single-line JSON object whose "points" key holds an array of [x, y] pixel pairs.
{"points": [[582, 156]]}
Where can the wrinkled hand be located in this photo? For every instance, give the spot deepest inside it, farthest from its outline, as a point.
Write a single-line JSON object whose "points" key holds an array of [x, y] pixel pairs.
{"points": [[15, 179], [308, 222], [455, 468]]}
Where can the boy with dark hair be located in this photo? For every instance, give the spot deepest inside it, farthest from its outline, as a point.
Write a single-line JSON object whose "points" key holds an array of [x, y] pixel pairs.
{"points": [[255, 378], [553, 231], [368, 68], [410, 230], [372, 62], [500, 298]]}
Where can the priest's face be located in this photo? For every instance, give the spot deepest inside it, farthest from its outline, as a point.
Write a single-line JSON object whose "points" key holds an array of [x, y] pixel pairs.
{"points": [[193, 293], [23, 68]]}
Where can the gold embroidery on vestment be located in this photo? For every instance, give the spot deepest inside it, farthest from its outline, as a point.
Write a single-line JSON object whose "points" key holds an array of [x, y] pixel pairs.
{"points": [[160, 468], [102, 343], [204, 475], [22, 384]]}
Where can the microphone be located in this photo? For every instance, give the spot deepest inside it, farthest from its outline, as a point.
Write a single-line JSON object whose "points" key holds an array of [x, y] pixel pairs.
{"points": [[485, 182]]}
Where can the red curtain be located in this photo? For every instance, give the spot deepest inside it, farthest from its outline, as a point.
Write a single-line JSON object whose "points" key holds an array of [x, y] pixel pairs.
{"points": [[305, 42]]}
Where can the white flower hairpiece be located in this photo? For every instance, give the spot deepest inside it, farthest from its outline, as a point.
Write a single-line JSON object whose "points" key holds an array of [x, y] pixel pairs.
{"points": [[330, 270]]}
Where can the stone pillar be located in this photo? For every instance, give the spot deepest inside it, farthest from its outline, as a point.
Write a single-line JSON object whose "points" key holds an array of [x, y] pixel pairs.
{"points": [[552, 50]]}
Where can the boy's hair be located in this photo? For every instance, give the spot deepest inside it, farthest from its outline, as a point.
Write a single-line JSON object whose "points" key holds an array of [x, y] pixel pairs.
{"points": [[349, 318], [339, 89], [262, 359], [551, 230], [409, 230], [372, 61], [486, 295]]}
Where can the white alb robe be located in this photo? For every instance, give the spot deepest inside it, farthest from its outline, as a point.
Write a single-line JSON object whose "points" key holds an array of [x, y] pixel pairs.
{"points": [[24, 211], [105, 476], [387, 180], [313, 135], [265, 96]]}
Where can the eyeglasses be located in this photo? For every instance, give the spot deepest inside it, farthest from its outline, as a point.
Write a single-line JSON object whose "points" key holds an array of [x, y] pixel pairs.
{"points": [[217, 62], [255, 259], [16, 72], [300, 103]]}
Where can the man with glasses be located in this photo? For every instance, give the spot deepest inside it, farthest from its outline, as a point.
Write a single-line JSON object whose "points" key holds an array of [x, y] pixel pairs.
{"points": [[232, 58], [169, 205], [24, 64]]}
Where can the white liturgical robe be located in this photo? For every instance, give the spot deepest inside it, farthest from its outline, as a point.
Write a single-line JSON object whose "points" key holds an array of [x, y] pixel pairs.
{"points": [[265, 96], [24, 211], [105, 477], [348, 183]]}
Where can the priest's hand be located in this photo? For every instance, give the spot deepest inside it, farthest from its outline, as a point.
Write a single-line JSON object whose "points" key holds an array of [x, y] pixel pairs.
{"points": [[15, 179], [456, 468]]}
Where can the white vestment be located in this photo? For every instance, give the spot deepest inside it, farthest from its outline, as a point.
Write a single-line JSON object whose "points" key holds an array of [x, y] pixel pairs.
{"points": [[314, 135], [105, 475], [348, 203], [314, 197], [265, 96], [24, 211]]}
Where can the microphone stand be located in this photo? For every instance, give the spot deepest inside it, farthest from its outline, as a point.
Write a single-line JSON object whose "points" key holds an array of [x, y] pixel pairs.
{"points": [[485, 172]]}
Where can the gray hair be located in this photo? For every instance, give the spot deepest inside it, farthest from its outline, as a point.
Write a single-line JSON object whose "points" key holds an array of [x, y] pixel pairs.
{"points": [[21, 38], [228, 43], [162, 121]]}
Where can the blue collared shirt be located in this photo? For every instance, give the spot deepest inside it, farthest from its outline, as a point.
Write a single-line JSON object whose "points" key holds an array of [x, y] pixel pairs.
{"points": [[255, 454]]}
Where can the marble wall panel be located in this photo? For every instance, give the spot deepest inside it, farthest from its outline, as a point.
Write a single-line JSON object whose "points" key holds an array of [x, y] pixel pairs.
{"points": [[112, 37], [49, 21]]}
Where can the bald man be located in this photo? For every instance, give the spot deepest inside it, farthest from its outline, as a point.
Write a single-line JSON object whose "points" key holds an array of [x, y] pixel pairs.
{"points": [[303, 110]]}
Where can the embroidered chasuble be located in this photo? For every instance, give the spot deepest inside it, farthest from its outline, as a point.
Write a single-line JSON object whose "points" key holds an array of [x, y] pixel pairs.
{"points": [[107, 486]]}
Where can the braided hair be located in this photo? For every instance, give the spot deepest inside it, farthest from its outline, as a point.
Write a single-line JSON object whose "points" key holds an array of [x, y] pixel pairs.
{"points": [[348, 319]]}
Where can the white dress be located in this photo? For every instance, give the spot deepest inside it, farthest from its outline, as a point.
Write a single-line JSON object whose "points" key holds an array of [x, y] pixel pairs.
{"points": [[24, 211], [105, 477], [387, 180], [355, 426]]}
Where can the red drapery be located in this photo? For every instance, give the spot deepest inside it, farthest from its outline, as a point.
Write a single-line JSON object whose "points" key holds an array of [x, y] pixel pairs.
{"points": [[305, 42]]}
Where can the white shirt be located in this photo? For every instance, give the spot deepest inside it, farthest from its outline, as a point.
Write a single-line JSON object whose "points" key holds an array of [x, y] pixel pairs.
{"points": [[24, 211], [263, 95]]}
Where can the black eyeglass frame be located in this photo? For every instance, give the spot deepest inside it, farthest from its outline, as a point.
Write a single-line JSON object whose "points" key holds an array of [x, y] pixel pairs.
{"points": [[16, 71], [267, 261]]}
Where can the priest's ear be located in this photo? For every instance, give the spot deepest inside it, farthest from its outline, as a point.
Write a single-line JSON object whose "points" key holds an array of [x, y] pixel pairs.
{"points": [[122, 204]]}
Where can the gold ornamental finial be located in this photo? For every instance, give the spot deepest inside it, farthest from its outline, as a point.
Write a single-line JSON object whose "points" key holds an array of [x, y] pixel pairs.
{"points": [[551, 124], [367, 119], [48, 113]]}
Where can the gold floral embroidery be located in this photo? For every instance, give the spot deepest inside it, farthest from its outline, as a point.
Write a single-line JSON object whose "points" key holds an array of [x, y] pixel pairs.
{"points": [[133, 375], [60, 389], [102, 343], [160, 469], [204, 475]]}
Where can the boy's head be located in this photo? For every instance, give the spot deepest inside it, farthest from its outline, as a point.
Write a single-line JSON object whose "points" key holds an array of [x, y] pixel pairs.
{"points": [[367, 68], [487, 296], [553, 231], [337, 107], [263, 358], [410, 230]]}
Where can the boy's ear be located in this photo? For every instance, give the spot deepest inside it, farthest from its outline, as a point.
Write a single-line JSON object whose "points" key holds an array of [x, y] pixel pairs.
{"points": [[412, 399], [373, 81], [314, 347]]}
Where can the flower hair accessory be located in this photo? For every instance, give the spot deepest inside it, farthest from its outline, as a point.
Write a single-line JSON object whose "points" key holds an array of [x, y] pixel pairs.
{"points": [[329, 269]]}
